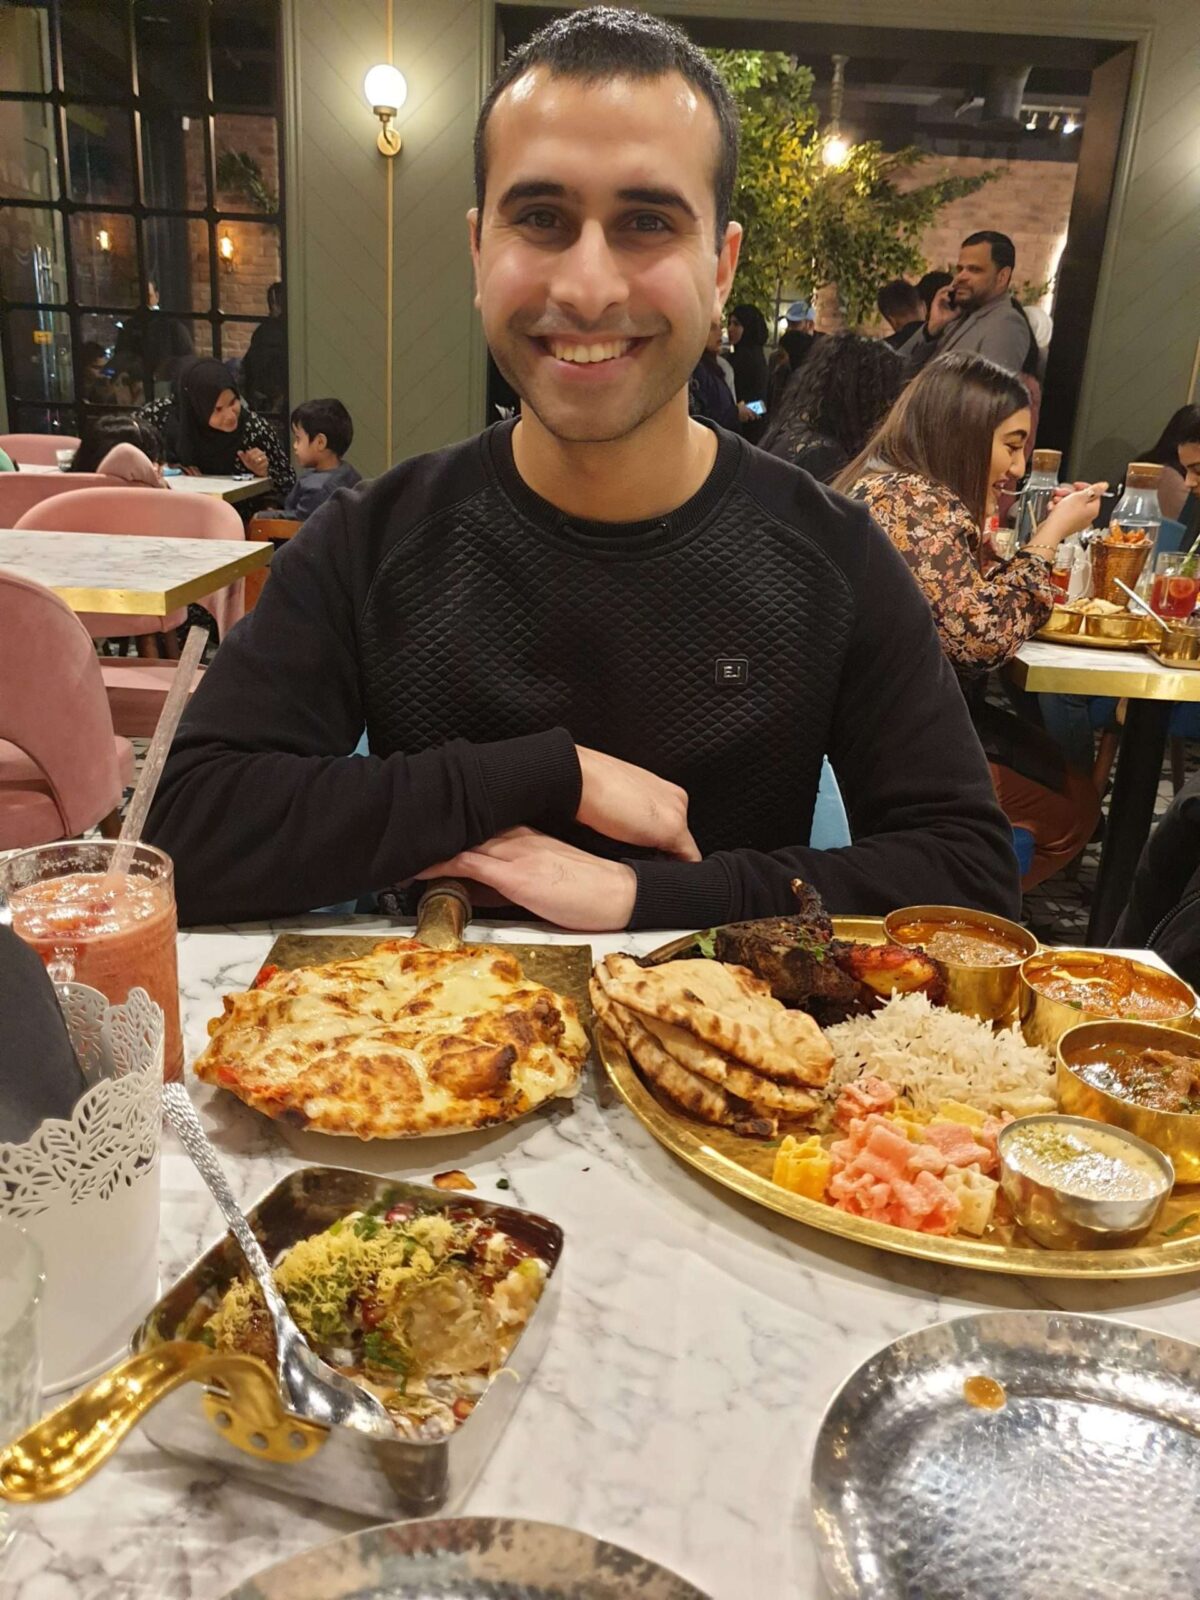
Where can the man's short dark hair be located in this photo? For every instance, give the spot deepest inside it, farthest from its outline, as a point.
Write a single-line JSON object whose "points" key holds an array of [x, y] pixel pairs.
{"points": [[603, 42], [329, 417], [929, 285], [1004, 251], [899, 299]]}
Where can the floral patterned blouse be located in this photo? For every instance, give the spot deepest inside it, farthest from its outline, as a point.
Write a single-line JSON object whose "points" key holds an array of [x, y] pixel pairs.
{"points": [[985, 609]]}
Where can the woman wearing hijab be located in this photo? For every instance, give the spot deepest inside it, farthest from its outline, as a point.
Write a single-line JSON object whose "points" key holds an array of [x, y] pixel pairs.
{"points": [[209, 430], [748, 358]]}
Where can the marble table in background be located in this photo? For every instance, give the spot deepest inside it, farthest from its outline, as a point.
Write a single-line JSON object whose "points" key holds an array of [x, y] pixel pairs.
{"points": [[698, 1342], [127, 574], [230, 489]]}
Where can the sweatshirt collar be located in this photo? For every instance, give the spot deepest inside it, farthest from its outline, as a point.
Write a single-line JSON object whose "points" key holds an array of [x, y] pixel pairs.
{"points": [[613, 538]]}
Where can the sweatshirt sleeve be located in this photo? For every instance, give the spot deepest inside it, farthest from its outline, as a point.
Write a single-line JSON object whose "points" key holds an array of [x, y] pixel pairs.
{"points": [[924, 820], [264, 807]]}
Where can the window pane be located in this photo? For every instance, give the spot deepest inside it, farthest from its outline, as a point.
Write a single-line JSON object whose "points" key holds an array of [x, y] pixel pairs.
{"points": [[149, 349], [242, 43], [24, 50], [177, 260], [257, 353], [95, 49], [104, 258], [100, 154], [173, 161], [31, 255], [40, 419], [170, 51], [28, 160], [39, 344], [247, 163], [245, 275]]}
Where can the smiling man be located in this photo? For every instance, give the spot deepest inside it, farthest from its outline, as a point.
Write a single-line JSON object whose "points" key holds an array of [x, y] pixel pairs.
{"points": [[600, 651]]}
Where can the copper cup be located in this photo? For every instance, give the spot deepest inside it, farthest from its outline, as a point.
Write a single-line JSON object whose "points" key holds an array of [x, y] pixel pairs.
{"points": [[1175, 1133], [987, 992], [1113, 561]]}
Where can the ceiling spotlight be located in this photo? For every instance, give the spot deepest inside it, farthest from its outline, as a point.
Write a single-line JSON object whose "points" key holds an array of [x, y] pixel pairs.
{"points": [[1070, 125], [1031, 125], [1054, 121]]}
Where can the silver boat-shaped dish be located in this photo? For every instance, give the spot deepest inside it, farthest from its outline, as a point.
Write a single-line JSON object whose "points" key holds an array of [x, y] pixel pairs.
{"points": [[467, 1558], [410, 1478], [1014, 1455]]}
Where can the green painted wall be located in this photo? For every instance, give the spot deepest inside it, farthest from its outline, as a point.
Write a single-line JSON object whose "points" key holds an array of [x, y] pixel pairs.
{"points": [[1147, 316]]}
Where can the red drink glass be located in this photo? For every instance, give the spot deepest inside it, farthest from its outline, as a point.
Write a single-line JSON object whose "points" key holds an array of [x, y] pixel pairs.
{"points": [[113, 934], [1173, 595]]}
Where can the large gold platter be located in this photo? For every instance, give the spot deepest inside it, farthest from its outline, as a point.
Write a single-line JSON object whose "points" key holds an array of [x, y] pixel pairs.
{"points": [[744, 1166]]}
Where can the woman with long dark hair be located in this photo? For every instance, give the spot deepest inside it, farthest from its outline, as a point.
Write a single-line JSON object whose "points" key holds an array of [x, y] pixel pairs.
{"points": [[209, 429], [834, 403], [931, 476], [104, 434], [1182, 428]]}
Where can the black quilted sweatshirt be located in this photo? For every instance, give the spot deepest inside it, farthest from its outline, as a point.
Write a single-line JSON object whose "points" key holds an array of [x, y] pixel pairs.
{"points": [[478, 634]]}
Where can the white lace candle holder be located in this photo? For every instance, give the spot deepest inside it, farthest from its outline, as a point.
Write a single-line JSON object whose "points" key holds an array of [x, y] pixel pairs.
{"points": [[86, 1189]]}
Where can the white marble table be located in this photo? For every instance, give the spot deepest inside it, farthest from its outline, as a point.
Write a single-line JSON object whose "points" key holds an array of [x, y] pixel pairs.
{"points": [[127, 574], [231, 489], [697, 1345]]}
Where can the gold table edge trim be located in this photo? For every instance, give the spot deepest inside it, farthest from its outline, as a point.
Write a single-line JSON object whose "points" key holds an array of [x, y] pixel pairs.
{"points": [[1122, 679], [157, 602]]}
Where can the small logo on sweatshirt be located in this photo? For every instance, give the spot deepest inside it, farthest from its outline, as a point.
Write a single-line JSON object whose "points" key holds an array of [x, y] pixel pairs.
{"points": [[732, 672]]}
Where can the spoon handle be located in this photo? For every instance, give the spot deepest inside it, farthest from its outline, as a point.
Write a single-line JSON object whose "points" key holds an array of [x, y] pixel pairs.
{"points": [[196, 1142]]}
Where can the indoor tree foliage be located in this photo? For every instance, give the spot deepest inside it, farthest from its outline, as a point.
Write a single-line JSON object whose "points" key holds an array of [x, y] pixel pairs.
{"points": [[808, 224]]}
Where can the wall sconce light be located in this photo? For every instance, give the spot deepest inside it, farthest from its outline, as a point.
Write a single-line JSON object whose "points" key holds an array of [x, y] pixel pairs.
{"points": [[386, 91], [104, 241], [226, 249]]}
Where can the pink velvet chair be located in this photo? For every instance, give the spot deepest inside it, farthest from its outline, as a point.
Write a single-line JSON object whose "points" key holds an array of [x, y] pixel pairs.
{"points": [[62, 769], [38, 449], [21, 491], [150, 513]]}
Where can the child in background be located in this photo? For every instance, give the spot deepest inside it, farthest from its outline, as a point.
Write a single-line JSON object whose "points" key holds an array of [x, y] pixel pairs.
{"points": [[321, 435]]}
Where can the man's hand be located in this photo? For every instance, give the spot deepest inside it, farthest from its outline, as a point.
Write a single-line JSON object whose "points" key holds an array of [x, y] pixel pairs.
{"points": [[553, 880], [628, 803], [941, 312]]}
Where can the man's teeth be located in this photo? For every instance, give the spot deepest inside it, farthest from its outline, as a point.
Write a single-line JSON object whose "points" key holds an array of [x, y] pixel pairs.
{"points": [[589, 352]]}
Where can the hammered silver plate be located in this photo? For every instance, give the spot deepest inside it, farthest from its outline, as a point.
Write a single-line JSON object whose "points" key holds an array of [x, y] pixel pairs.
{"points": [[1084, 1485], [467, 1558]]}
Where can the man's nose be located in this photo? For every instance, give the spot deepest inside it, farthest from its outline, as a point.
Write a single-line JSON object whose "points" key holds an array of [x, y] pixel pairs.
{"points": [[587, 279]]}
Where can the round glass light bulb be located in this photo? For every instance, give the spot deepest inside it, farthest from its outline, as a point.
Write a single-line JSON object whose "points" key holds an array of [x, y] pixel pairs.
{"points": [[385, 86], [835, 150]]}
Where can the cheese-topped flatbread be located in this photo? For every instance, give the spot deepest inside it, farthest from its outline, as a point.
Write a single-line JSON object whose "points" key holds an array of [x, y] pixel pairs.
{"points": [[405, 1040]]}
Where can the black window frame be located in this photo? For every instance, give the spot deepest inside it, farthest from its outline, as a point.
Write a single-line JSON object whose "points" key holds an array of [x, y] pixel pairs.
{"points": [[67, 416]]}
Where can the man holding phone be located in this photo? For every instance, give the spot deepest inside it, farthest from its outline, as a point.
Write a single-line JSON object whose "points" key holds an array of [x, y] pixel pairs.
{"points": [[976, 313]]}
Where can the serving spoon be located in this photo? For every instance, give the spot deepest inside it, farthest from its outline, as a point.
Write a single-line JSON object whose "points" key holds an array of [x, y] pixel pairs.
{"points": [[314, 1388]]}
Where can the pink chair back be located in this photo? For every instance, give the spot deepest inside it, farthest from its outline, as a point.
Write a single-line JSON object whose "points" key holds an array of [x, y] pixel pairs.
{"points": [[38, 449], [21, 491], [52, 702], [151, 513]]}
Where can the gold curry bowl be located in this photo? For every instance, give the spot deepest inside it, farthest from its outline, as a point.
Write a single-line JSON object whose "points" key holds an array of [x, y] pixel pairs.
{"points": [[988, 992], [1061, 621], [1175, 1133], [1182, 643], [1045, 1018], [1119, 625]]}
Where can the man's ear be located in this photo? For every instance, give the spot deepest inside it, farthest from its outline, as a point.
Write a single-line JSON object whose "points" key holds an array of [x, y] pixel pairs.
{"points": [[1005, 273], [473, 240], [727, 260]]}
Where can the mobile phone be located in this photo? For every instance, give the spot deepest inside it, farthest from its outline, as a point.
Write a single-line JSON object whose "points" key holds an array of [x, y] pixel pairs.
{"points": [[757, 407], [950, 300]]}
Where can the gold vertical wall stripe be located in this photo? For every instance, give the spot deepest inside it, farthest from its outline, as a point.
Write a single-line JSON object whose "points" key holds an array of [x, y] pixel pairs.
{"points": [[389, 165]]}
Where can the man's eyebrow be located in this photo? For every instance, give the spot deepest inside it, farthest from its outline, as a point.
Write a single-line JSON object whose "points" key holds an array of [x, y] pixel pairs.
{"points": [[670, 198], [535, 189]]}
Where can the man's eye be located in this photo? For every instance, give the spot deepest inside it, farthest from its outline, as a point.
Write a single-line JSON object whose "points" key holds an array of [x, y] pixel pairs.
{"points": [[649, 222], [537, 219]]}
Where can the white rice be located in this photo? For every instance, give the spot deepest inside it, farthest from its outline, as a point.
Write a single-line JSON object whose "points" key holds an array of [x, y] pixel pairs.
{"points": [[929, 1054]]}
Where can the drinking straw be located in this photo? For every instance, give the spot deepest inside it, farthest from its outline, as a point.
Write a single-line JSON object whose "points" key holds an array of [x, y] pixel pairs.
{"points": [[1146, 611], [156, 755]]}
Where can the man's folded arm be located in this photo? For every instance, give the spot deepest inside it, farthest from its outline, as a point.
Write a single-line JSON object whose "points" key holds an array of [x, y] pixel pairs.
{"points": [[263, 807], [913, 776]]}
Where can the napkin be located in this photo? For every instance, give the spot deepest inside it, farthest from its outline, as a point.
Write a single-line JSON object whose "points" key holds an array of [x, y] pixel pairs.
{"points": [[39, 1073]]}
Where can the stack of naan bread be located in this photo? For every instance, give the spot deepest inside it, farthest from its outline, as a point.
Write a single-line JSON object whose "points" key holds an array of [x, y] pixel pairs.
{"points": [[711, 1038]]}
